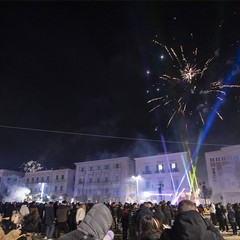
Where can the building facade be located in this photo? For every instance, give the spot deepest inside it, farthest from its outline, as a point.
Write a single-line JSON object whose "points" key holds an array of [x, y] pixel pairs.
{"points": [[50, 184], [162, 177], [9, 181], [108, 180], [223, 167]]}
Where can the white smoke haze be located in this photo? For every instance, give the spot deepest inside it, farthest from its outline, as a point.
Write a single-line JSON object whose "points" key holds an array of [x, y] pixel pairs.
{"points": [[16, 194]]}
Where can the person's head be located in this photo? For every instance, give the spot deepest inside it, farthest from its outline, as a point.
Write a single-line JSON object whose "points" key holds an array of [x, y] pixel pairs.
{"points": [[149, 224], [186, 205]]}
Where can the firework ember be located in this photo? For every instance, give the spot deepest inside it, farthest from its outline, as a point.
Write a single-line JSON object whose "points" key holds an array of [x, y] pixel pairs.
{"points": [[187, 90]]}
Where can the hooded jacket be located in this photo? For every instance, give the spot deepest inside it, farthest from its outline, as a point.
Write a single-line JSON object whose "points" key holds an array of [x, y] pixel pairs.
{"points": [[95, 225], [191, 225]]}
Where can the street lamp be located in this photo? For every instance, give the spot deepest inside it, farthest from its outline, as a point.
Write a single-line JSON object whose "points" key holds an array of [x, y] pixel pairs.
{"points": [[136, 179]]}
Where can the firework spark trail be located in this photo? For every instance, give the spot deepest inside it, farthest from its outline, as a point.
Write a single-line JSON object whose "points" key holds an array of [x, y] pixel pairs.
{"points": [[186, 86]]}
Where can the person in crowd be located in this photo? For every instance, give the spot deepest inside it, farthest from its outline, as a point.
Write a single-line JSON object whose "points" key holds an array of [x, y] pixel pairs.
{"points": [[11, 223], [95, 225], [49, 220], [113, 209], [200, 209], [62, 217], [220, 217], [189, 225], [125, 222], [212, 211], [150, 228], [30, 223], [232, 219], [158, 213], [236, 208], [132, 232], [167, 211], [24, 210], [225, 217], [81, 213], [143, 210], [72, 216]]}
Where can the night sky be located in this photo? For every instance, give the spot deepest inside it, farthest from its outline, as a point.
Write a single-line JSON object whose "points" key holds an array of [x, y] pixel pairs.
{"points": [[81, 67]]}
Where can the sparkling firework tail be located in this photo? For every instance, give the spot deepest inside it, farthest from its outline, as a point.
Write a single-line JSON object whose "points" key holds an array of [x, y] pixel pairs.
{"points": [[186, 84]]}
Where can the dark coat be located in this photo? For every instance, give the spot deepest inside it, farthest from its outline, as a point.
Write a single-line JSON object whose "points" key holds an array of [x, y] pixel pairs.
{"points": [[49, 215], [191, 225], [143, 211]]}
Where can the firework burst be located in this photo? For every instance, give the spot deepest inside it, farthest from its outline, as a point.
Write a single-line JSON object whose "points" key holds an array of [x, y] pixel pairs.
{"points": [[187, 90], [31, 166]]}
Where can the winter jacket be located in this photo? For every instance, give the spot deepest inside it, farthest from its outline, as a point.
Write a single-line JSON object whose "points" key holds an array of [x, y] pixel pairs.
{"points": [[62, 213], [49, 218], [95, 225], [191, 225]]}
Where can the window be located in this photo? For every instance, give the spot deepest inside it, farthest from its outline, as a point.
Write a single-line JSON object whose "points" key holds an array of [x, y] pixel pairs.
{"points": [[174, 167], [62, 177], [32, 180], [0, 179], [147, 170], [98, 167], [27, 180], [37, 180], [106, 167], [90, 168], [160, 168], [213, 171], [82, 169], [42, 179], [47, 178], [55, 189], [61, 188], [117, 165], [57, 177]]}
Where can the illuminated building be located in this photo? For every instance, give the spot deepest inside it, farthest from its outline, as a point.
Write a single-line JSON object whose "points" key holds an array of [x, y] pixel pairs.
{"points": [[8, 179], [107, 180], [163, 177], [223, 167], [55, 185]]}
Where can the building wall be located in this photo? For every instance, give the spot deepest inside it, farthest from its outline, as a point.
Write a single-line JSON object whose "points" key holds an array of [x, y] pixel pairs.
{"points": [[107, 180], [51, 184], [9, 180], [223, 167], [162, 177]]}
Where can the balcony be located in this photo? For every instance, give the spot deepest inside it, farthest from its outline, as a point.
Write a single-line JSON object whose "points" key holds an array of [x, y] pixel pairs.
{"points": [[146, 172]]}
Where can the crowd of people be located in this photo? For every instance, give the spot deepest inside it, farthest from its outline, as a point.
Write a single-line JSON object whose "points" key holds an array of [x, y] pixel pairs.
{"points": [[146, 221]]}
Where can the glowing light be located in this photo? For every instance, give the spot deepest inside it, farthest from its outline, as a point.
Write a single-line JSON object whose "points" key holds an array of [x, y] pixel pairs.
{"points": [[183, 90], [148, 72]]}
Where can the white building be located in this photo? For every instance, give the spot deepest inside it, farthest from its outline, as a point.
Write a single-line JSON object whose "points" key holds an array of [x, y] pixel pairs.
{"points": [[107, 180], [162, 177], [9, 180], [51, 184], [223, 167]]}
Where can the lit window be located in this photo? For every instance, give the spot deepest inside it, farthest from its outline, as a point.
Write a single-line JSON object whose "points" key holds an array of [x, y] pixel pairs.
{"points": [[173, 165], [160, 167]]}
